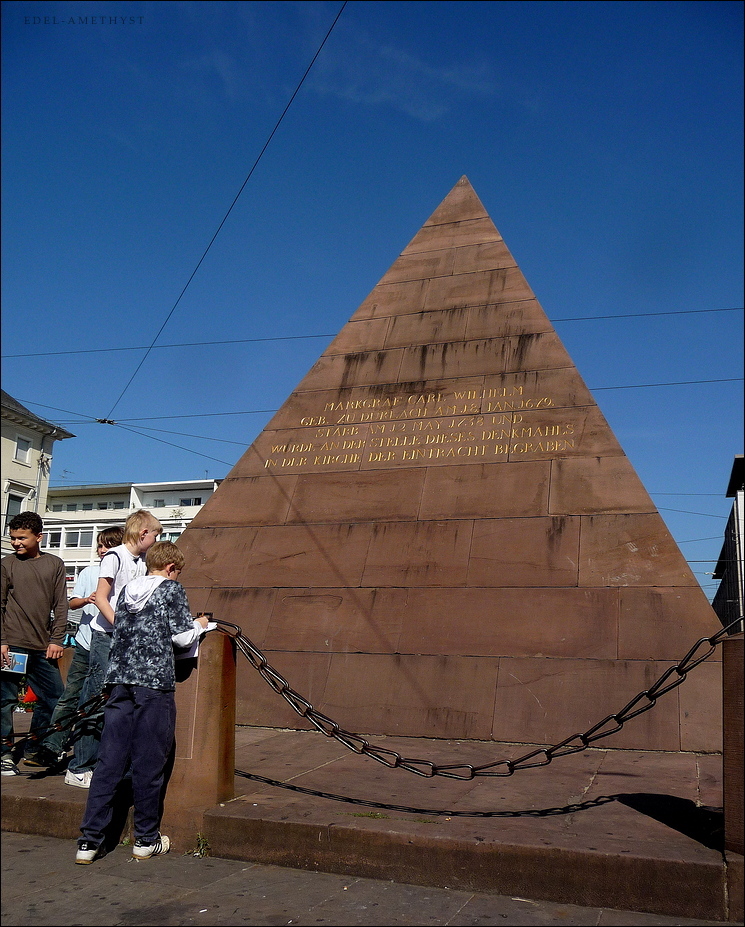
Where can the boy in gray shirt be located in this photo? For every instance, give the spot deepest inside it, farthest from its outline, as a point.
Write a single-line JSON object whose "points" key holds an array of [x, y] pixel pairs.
{"points": [[34, 618]]}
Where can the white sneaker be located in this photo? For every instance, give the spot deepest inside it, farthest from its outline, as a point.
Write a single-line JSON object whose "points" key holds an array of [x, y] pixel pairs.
{"points": [[81, 780], [145, 850], [88, 853], [9, 768]]}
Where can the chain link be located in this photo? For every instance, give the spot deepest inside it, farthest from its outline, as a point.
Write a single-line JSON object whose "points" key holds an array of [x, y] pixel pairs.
{"points": [[500, 768], [426, 768], [88, 708], [454, 813]]}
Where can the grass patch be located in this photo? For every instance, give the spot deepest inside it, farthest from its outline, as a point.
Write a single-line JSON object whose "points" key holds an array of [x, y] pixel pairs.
{"points": [[367, 814]]}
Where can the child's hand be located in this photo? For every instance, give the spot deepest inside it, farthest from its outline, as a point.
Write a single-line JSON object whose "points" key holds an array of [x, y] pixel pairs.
{"points": [[203, 620]]}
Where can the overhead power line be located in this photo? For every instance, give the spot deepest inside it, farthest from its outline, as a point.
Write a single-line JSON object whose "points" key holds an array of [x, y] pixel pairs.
{"points": [[158, 347], [716, 537], [230, 209], [184, 434], [85, 419], [145, 432], [684, 512], [637, 315], [205, 344], [673, 383], [180, 447]]}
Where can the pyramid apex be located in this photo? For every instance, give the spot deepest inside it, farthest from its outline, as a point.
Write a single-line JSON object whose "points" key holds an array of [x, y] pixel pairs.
{"points": [[460, 205]]}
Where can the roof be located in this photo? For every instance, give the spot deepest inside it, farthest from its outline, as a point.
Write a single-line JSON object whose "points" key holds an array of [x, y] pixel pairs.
{"points": [[737, 477], [109, 488], [14, 411]]}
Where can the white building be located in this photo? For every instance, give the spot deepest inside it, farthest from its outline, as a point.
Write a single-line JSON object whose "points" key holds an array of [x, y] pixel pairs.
{"points": [[26, 455], [75, 514]]}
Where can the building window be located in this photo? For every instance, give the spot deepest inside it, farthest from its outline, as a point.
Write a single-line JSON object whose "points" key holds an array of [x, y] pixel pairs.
{"points": [[57, 507], [87, 506], [54, 539], [159, 503], [14, 507], [197, 500], [72, 506], [23, 450], [79, 538], [102, 506]]}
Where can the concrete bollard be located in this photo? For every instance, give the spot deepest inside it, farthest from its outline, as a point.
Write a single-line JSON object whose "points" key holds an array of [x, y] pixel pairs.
{"points": [[203, 771], [733, 670], [732, 725]]}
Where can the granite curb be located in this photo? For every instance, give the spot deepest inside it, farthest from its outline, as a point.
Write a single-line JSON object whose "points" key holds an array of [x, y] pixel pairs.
{"points": [[616, 830]]}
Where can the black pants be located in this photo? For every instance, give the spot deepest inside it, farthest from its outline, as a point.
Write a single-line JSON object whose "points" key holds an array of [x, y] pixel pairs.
{"points": [[139, 727]]}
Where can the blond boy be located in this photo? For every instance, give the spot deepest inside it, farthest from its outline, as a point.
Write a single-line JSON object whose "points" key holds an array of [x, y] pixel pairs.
{"points": [[119, 566]]}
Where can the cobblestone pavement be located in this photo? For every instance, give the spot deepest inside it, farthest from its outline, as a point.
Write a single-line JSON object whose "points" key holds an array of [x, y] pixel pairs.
{"points": [[41, 885]]}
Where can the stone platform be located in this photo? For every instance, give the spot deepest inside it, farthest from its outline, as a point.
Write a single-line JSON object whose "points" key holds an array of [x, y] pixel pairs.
{"points": [[621, 829]]}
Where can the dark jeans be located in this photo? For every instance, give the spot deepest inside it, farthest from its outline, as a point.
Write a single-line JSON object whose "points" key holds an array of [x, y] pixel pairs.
{"points": [[86, 746], [64, 713], [139, 727], [44, 678]]}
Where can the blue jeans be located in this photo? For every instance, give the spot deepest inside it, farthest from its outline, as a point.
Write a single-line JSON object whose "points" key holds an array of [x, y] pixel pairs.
{"points": [[139, 729], [44, 678], [86, 746], [64, 713]]}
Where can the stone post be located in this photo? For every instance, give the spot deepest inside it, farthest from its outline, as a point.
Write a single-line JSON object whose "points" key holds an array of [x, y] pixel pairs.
{"points": [[733, 669], [203, 771]]}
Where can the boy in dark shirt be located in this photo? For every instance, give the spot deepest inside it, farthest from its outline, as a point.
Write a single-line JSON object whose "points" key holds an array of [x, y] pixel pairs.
{"points": [[33, 603], [152, 615]]}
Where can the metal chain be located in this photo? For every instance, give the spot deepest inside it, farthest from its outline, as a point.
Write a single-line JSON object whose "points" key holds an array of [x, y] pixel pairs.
{"points": [[465, 771], [426, 768], [85, 710], [523, 813]]}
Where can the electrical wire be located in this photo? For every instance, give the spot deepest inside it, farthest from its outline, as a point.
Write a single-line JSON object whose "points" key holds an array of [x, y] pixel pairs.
{"points": [[230, 209], [684, 512], [228, 463], [141, 431], [204, 344], [674, 383], [158, 347], [91, 420], [184, 434]]}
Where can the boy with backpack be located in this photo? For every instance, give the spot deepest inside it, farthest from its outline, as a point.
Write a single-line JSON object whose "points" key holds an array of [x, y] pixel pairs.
{"points": [[119, 566]]}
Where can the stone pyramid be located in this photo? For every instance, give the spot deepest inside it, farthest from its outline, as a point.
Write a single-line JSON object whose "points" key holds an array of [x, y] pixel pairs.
{"points": [[438, 534]]}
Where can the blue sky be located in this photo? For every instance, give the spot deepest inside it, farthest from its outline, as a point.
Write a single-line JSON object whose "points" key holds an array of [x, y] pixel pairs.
{"points": [[604, 139]]}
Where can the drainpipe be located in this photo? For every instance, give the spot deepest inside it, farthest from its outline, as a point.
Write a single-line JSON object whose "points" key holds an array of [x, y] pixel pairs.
{"points": [[44, 462]]}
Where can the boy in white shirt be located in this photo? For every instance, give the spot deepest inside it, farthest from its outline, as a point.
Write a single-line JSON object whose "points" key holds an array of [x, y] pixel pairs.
{"points": [[119, 566]]}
